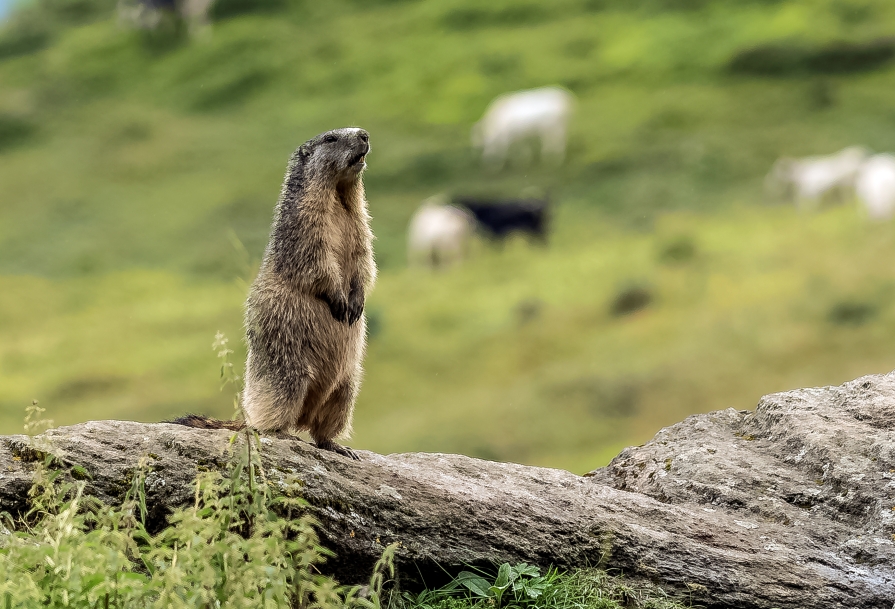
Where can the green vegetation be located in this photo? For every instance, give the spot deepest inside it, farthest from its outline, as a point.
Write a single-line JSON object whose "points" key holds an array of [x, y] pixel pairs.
{"points": [[244, 543], [523, 586], [139, 173]]}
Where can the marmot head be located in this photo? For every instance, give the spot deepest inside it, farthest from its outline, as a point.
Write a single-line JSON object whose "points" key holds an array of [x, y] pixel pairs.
{"points": [[339, 154]]}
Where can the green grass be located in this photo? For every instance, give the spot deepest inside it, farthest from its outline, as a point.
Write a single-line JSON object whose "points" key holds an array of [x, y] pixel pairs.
{"points": [[139, 175], [525, 586], [453, 365]]}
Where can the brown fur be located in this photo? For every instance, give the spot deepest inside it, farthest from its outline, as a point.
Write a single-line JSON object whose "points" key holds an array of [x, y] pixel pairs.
{"points": [[304, 319], [202, 422]]}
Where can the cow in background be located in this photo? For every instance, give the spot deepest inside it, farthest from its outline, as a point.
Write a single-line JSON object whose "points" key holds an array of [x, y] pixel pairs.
{"points": [[498, 218], [438, 234], [149, 14], [536, 114], [875, 186], [812, 180]]}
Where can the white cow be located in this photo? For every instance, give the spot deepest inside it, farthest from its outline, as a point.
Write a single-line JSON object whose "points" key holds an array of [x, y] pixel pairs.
{"points": [[149, 14], [541, 114], [438, 234], [875, 186], [810, 180]]}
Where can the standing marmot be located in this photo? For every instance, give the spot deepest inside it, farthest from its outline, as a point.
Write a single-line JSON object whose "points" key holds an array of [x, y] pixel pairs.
{"points": [[304, 316]]}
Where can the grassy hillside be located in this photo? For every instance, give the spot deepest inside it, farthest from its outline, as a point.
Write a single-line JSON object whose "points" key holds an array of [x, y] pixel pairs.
{"points": [[139, 172]]}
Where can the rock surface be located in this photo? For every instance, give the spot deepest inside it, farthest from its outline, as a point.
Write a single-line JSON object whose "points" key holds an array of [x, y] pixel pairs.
{"points": [[790, 506]]}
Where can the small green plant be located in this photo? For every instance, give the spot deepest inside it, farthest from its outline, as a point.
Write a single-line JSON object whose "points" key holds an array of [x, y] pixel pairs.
{"points": [[220, 346], [33, 421], [523, 586], [229, 377], [520, 585]]}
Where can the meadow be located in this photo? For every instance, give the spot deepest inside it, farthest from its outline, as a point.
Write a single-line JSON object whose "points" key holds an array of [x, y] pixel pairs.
{"points": [[138, 171]]}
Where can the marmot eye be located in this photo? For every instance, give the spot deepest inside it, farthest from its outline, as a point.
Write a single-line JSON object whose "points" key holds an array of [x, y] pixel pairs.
{"points": [[330, 139]]}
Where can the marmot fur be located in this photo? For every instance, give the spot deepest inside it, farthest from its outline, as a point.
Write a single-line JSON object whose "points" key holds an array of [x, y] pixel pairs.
{"points": [[202, 422], [304, 316]]}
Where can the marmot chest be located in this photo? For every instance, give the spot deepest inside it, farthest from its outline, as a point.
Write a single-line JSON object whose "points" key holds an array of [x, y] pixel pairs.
{"points": [[346, 236]]}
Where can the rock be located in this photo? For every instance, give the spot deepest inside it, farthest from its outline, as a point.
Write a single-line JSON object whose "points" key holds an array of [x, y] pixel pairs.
{"points": [[809, 474], [788, 506]]}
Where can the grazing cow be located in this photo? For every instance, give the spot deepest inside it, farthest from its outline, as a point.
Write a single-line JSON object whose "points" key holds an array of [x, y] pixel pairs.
{"points": [[875, 186], [149, 14], [541, 114], [811, 180], [499, 218], [438, 234]]}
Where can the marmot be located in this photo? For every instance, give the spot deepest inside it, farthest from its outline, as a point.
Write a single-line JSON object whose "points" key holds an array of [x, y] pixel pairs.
{"points": [[304, 316]]}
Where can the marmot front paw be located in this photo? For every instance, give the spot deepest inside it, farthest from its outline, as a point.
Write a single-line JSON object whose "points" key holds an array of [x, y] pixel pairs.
{"points": [[355, 306], [338, 306]]}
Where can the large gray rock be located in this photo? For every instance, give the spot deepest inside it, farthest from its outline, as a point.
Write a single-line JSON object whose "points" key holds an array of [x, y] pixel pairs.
{"points": [[789, 506]]}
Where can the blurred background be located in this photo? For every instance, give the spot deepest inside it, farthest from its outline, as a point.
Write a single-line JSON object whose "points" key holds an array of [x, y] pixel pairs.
{"points": [[678, 269]]}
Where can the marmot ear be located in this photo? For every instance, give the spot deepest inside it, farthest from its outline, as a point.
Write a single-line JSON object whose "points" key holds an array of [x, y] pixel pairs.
{"points": [[303, 152]]}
